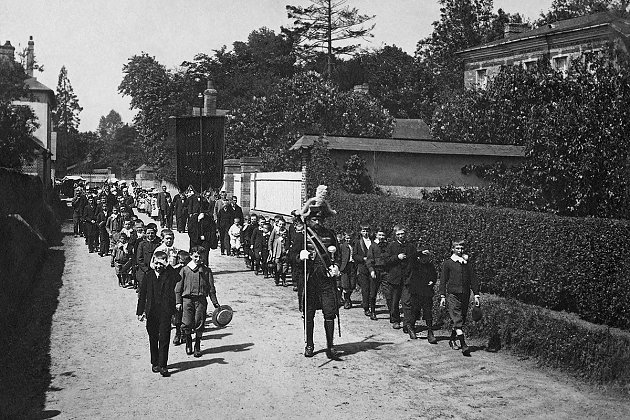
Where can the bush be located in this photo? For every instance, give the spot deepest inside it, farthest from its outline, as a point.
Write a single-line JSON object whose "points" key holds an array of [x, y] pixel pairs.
{"points": [[558, 340], [580, 265]]}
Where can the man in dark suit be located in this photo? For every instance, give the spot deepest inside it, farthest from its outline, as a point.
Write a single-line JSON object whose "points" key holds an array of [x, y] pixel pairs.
{"points": [[156, 303], [144, 252], [360, 248], [163, 202], [202, 231], [180, 210], [397, 266], [225, 219]]}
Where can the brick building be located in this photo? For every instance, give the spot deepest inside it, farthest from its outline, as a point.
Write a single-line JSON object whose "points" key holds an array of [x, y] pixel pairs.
{"points": [[559, 42]]}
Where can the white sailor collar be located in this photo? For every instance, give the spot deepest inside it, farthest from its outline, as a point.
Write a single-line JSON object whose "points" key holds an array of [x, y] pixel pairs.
{"points": [[462, 260]]}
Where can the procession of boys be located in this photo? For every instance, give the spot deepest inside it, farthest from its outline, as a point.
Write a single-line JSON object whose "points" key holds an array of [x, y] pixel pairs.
{"points": [[323, 267]]}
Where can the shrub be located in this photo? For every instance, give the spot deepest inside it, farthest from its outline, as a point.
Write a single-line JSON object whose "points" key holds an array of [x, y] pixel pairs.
{"points": [[559, 340], [355, 178], [580, 265]]}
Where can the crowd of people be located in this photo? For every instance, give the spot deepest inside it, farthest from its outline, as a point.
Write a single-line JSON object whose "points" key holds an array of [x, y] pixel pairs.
{"points": [[292, 254]]}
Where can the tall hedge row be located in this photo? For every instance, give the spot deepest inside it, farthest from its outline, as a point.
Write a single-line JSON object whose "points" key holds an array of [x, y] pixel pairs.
{"points": [[581, 265]]}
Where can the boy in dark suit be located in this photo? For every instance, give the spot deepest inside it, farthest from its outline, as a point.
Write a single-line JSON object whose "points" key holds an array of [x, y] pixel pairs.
{"points": [[346, 267], [457, 280], [397, 266], [417, 293], [360, 248], [375, 263], [156, 304]]}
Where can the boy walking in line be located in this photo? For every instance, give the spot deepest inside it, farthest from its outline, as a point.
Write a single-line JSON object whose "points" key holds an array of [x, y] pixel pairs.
{"points": [[234, 232], [279, 257], [457, 280], [196, 283], [375, 263], [347, 268], [397, 266], [123, 259], [417, 293]]}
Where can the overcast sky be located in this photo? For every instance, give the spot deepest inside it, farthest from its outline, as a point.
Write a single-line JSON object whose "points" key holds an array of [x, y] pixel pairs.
{"points": [[95, 38]]}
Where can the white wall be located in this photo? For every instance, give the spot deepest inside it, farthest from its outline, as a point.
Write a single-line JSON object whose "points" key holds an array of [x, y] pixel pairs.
{"points": [[276, 192]]}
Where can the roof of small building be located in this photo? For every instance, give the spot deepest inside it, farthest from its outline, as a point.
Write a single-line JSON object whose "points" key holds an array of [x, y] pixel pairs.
{"points": [[364, 144], [619, 24], [145, 167], [411, 129], [33, 84]]}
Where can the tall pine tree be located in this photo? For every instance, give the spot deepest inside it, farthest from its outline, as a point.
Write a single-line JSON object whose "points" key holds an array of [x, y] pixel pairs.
{"points": [[322, 26], [66, 119]]}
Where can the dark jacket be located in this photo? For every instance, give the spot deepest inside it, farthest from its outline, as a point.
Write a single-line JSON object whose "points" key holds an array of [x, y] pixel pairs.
{"points": [[158, 292], [78, 204], [179, 202], [204, 227], [144, 253], [458, 278], [422, 275], [90, 213], [360, 255], [196, 283], [257, 240], [376, 256], [163, 200], [397, 269], [344, 250]]}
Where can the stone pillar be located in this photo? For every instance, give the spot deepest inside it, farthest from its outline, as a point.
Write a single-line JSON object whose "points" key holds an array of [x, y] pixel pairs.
{"points": [[231, 166], [249, 165]]}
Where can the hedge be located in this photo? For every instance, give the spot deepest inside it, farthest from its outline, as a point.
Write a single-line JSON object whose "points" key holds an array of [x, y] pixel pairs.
{"points": [[556, 339], [580, 265]]}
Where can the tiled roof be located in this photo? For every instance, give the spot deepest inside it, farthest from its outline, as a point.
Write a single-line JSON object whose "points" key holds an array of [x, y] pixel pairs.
{"points": [[145, 167], [363, 144], [622, 25], [411, 129]]}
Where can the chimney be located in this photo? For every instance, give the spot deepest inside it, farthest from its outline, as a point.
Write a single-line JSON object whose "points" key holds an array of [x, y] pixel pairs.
{"points": [[7, 51], [210, 100], [30, 57], [511, 29], [364, 89]]}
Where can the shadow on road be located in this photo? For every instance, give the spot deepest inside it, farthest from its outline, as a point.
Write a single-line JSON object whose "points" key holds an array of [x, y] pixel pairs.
{"points": [[214, 336], [233, 348], [192, 364], [348, 349], [25, 344]]}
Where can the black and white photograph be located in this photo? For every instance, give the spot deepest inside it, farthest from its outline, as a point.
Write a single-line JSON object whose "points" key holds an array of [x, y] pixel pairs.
{"points": [[315, 209]]}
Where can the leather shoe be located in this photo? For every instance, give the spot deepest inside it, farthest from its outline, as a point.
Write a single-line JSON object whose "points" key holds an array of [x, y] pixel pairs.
{"points": [[309, 351], [396, 325], [366, 312], [412, 333], [164, 372], [431, 338], [373, 316], [405, 329], [347, 305], [155, 369], [332, 353]]}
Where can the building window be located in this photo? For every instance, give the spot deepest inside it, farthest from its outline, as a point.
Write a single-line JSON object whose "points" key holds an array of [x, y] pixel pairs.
{"points": [[530, 64], [561, 64], [482, 78]]}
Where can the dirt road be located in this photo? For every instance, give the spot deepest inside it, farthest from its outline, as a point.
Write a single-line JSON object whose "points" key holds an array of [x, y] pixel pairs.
{"points": [[254, 368]]}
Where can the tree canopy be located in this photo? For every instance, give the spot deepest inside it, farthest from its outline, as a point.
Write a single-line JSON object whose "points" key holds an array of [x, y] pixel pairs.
{"points": [[17, 123], [326, 26]]}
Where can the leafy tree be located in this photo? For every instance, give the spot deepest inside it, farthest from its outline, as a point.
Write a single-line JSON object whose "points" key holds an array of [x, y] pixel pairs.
{"points": [[463, 24], [17, 123], [354, 177], [573, 128], [250, 70], [322, 25], [321, 169], [568, 9], [156, 93], [306, 103]]}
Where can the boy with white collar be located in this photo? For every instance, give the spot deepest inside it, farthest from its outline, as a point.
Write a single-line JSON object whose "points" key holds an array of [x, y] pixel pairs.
{"points": [[457, 280], [197, 282]]}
